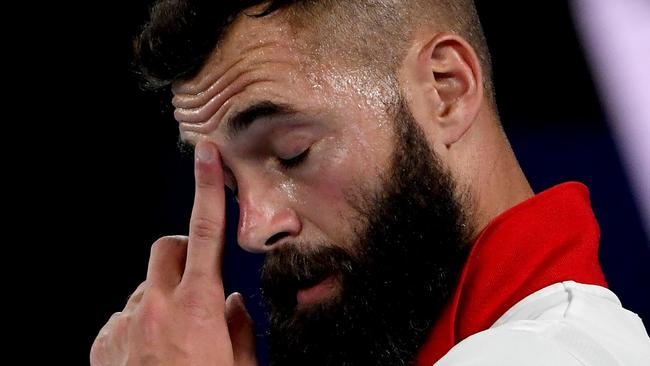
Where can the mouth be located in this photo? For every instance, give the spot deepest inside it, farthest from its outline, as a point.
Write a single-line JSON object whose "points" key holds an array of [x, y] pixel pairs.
{"points": [[317, 293], [296, 283]]}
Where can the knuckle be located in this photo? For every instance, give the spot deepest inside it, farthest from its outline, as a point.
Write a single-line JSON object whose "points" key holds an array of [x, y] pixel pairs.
{"points": [[115, 328], [167, 242], [121, 326], [151, 315], [208, 185], [197, 304], [97, 352], [112, 326], [152, 307], [137, 294], [204, 228], [207, 280], [114, 317], [196, 275]]}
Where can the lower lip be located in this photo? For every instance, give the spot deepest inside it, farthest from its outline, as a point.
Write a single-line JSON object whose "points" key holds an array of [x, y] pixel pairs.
{"points": [[317, 293]]}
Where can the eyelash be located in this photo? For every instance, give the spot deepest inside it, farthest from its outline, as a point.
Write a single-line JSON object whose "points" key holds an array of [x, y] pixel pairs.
{"points": [[295, 161], [285, 163]]}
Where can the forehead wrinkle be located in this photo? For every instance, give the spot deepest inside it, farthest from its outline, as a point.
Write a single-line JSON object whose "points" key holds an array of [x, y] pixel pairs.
{"points": [[186, 98], [254, 63], [220, 106], [198, 111], [211, 72], [206, 112], [261, 54], [221, 82]]}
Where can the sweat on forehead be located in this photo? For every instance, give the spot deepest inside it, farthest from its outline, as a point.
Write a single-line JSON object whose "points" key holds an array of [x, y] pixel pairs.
{"points": [[252, 54], [261, 63]]}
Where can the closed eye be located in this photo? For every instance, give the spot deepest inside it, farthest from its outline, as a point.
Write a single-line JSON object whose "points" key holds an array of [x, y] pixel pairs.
{"points": [[295, 161]]}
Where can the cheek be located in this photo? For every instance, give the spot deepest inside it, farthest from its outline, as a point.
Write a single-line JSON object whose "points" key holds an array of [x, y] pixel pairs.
{"points": [[325, 199], [331, 179]]}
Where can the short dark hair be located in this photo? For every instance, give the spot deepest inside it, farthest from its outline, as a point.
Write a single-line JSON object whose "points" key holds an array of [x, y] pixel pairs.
{"points": [[181, 34]]}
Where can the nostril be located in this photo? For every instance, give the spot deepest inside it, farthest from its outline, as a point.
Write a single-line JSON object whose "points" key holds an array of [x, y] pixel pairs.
{"points": [[275, 238]]}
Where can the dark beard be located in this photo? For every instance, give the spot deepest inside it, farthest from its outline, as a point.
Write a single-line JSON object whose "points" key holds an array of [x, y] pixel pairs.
{"points": [[394, 279]]}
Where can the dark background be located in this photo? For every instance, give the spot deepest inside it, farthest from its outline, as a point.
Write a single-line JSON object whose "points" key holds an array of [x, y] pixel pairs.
{"points": [[116, 180]]}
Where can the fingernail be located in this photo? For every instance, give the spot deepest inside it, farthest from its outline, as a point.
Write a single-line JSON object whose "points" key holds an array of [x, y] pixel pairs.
{"points": [[204, 151]]}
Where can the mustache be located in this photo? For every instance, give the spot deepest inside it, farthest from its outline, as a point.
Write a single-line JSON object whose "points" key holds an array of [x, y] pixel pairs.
{"points": [[291, 268]]}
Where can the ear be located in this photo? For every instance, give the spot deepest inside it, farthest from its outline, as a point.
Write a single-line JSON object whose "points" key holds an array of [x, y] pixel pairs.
{"points": [[445, 87]]}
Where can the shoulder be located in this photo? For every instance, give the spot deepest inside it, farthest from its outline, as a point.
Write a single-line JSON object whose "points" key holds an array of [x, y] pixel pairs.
{"points": [[564, 324], [504, 347]]}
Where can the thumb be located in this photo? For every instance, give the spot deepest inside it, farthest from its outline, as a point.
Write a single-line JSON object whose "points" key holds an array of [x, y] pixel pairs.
{"points": [[240, 327]]}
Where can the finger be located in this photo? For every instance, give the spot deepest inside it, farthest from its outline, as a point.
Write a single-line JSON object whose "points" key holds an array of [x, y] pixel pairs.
{"points": [[240, 328], [205, 247], [167, 261], [107, 349], [135, 297]]}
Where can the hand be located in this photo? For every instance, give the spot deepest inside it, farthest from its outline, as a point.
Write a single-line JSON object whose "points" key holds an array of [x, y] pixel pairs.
{"points": [[179, 315]]}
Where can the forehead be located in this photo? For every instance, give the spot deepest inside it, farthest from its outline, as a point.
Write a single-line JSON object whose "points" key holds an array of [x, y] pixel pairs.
{"points": [[255, 56], [247, 39], [267, 59]]}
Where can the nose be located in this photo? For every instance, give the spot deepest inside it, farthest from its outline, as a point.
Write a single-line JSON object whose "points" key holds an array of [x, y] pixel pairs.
{"points": [[266, 220]]}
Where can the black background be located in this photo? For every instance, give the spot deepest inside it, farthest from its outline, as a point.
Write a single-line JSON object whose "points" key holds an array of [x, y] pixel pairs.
{"points": [[110, 179]]}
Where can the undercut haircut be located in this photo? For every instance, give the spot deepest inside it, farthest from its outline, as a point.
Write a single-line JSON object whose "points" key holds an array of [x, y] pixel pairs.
{"points": [[181, 34]]}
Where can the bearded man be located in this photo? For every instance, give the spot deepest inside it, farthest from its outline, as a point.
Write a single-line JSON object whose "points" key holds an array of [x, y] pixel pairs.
{"points": [[363, 143]]}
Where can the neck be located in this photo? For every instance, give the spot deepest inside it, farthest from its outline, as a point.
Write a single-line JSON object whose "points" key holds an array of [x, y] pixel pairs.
{"points": [[491, 175]]}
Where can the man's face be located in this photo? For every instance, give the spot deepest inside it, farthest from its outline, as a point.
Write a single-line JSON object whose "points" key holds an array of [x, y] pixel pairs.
{"points": [[337, 184], [296, 138]]}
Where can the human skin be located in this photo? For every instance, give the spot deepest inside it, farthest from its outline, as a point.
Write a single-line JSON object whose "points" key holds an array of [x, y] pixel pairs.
{"points": [[179, 315]]}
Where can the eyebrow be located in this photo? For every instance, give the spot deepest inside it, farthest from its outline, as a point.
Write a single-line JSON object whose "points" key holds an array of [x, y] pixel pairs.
{"points": [[244, 119]]}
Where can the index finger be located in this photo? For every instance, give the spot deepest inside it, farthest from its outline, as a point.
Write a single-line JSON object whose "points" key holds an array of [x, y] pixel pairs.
{"points": [[205, 246]]}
